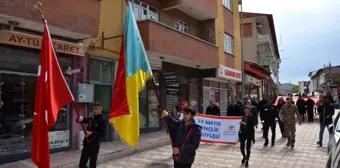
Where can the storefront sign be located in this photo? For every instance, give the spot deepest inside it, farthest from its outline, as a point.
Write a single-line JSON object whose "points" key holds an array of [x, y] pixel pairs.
{"points": [[59, 139], [171, 83], [229, 73], [218, 129], [31, 41]]}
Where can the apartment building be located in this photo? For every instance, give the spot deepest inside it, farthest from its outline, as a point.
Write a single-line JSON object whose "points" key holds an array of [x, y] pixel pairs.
{"points": [[323, 80], [193, 47], [261, 54], [21, 28]]}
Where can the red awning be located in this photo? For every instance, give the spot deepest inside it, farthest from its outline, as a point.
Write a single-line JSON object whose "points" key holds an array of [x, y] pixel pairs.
{"points": [[256, 71]]}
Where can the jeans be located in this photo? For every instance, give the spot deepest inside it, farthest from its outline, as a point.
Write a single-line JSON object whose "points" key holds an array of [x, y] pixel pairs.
{"points": [[322, 130], [245, 141], [266, 127], [90, 151]]}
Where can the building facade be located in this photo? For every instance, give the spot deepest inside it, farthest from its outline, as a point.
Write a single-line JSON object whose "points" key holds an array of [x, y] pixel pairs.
{"points": [[20, 41], [261, 54], [322, 80]]}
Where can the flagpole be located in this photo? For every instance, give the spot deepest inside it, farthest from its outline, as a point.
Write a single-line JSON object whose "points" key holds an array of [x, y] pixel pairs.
{"points": [[39, 6]]}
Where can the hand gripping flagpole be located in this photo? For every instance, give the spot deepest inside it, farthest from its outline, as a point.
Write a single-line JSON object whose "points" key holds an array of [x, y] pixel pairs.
{"points": [[39, 7]]}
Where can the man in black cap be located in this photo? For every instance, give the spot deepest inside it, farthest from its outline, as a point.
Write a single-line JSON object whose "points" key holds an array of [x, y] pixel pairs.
{"points": [[95, 129]]}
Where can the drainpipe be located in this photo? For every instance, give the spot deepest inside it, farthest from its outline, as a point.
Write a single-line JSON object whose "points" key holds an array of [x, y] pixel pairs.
{"points": [[242, 54]]}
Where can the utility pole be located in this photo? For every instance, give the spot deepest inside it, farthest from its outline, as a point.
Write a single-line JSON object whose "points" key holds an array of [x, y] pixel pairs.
{"points": [[242, 53]]}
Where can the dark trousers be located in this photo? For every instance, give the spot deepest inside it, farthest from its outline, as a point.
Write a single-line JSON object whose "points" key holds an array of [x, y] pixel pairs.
{"points": [[90, 151], [282, 128], [303, 114], [266, 127], [181, 165], [245, 142], [310, 115]]}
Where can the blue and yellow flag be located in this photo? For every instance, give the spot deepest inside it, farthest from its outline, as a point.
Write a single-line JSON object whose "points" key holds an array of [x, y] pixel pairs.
{"points": [[132, 73]]}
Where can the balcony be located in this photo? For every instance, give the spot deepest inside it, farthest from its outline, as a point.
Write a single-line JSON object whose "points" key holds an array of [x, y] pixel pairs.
{"points": [[198, 9], [64, 21], [175, 46]]}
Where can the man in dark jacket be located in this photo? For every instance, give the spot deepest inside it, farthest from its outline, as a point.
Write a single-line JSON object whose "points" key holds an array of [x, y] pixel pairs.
{"points": [[269, 116], [254, 116], [213, 109], [186, 139], [234, 109], [310, 108], [94, 131], [326, 112], [301, 105], [246, 133]]}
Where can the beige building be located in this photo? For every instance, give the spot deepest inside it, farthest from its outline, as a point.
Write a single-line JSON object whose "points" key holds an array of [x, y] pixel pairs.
{"points": [[262, 58]]}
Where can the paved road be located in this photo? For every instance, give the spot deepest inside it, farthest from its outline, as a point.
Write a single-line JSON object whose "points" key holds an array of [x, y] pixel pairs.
{"points": [[305, 155]]}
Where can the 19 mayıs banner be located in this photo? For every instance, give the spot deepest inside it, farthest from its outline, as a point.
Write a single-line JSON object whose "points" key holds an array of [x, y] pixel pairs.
{"points": [[219, 129]]}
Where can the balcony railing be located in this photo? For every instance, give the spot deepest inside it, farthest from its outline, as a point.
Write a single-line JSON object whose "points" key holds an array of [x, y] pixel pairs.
{"points": [[168, 41]]}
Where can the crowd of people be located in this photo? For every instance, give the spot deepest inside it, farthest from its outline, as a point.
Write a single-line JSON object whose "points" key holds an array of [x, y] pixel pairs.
{"points": [[271, 111]]}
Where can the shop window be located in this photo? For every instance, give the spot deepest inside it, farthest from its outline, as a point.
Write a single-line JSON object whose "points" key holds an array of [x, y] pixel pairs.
{"points": [[215, 84], [153, 109], [142, 109], [182, 26], [101, 71], [17, 99], [144, 11], [206, 83], [103, 94]]}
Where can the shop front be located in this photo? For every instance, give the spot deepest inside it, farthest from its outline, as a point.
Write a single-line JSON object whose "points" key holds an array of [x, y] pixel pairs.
{"points": [[256, 81], [220, 87], [19, 59], [182, 84]]}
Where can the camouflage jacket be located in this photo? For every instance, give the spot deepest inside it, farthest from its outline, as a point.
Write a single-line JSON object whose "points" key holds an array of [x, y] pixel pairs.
{"points": [[288, 113]]}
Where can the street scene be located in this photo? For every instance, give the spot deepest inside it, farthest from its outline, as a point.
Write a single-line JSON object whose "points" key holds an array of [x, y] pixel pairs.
{"points": [[169, 83], [305, 155]]}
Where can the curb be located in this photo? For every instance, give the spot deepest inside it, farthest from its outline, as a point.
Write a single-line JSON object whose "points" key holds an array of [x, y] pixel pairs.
{"points": [[122, 153]]}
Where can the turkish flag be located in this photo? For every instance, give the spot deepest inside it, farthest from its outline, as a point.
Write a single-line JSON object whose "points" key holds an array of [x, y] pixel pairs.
{"points": [[52, 93]]}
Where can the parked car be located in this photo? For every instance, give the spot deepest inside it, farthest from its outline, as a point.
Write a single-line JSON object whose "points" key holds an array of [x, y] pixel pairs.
{"points": [[334, 157], [334, 133]]}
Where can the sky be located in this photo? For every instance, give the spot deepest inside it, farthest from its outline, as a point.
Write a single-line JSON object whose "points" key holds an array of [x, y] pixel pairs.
{"points": [[309, 30]]}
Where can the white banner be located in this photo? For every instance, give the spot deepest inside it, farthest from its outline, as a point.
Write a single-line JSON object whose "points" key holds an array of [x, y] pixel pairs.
{"points": [[59, 139], [218, 129]]}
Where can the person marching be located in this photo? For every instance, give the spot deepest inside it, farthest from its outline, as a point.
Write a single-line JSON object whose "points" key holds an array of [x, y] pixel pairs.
{"points": [[310, 108], [280, 104], [234, 109], [288, 112], [269, 117], [213, 109], [326, 112], [246, 133], [94, 131], [260, 108], [301, 105], [187, 137], [253, 112]]}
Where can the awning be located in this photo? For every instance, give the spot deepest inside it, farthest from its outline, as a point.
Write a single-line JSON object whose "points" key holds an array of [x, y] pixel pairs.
{"points": [[256, 70]]}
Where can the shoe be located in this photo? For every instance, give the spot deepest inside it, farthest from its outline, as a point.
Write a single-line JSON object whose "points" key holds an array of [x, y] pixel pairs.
{"points": [[253, 141], [273, 143], [320, 144], [243, 160], [265, 144], [288, 144], [292, 147], [247, 164]]}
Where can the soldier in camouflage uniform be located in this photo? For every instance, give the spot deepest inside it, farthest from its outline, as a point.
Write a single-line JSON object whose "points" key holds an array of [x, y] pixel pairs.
{"points": [[288, 112]]}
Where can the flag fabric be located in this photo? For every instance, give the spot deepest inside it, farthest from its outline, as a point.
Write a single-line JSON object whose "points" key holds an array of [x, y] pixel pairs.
{"points": [[52, 93], [132, 73]]}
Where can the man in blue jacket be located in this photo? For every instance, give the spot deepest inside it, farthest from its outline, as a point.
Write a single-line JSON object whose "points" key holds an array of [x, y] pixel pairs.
{"points": [[186, 137]]}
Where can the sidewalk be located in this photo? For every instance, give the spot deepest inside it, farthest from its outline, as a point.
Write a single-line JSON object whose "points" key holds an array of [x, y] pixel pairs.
{"points": [[108, 151]]}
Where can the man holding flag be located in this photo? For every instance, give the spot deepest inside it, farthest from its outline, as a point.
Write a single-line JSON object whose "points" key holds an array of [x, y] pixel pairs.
{"points": [[52, 93]]}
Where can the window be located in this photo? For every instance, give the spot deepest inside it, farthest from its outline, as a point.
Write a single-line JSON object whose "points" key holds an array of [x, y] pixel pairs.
{"points": [[101, 71], [228, 44], [144, 11], [228, 4], [181, 26]]}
